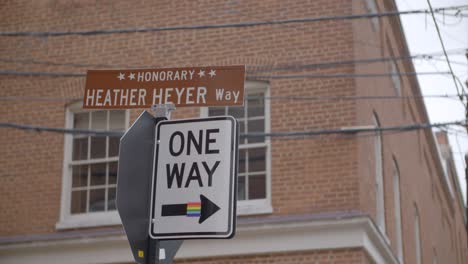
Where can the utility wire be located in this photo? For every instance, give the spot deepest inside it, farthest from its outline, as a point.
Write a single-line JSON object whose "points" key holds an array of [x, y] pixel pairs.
{"points": [[462, 92], [72, 131], [342, 75], [248, 135], [351, 98], [354, 130], [41, 74], [425, 56], [346, 62], [279, 98], [219, 26], [302, 76]]}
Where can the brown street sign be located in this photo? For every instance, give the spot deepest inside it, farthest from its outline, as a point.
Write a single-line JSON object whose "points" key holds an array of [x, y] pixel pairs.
{"points": [[142, 88]]}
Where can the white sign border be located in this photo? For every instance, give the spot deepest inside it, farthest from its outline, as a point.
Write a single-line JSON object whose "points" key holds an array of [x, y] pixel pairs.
{"points": [[233, 180]]}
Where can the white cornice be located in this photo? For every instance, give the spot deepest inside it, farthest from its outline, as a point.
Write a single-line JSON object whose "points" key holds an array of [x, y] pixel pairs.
{"points": [[258, 238]]}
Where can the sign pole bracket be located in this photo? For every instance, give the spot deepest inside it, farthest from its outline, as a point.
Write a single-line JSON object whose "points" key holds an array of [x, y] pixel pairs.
{"points": [[163, 110]]}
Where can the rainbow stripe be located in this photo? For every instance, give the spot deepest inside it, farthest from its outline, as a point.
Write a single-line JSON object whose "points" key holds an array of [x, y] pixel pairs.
{"points": [[193, 209]]}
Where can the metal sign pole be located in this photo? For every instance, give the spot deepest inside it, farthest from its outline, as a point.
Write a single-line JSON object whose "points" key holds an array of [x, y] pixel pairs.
{"points": [[153, 252], [156, 251]]}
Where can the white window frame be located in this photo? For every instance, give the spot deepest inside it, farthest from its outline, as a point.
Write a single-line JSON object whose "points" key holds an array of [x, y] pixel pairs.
{"points": [[257, 206], [397, 213], [68, 220], [379, 179], [395, 76]]}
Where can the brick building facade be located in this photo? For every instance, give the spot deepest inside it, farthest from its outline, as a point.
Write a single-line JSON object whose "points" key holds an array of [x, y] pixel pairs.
{"points": [[342, 198]]}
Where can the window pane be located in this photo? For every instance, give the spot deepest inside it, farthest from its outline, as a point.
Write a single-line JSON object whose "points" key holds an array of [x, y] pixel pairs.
{"points": [[78, 202], [80, 148], [98, 147], [99, 120], [113, 173], [242, 140], [114, 146], [98, 174], [255, 107], [117, 120], [241, 188], [111, 199], [257, 187], [255, 126], [237, 112], [257, 159], [242, 164], [216, 111], [97, 200], [80, 176], [81, 120]]}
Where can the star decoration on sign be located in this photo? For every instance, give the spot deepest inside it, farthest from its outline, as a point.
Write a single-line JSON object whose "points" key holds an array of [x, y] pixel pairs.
{"points": [[121, 76], [201, 73], [131, 76], [212, 73]]}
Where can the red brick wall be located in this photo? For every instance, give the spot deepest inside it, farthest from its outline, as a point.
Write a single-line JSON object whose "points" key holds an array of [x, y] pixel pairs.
{"points": [[303, 171], [314, 174], [421, 179], [348, 256]]}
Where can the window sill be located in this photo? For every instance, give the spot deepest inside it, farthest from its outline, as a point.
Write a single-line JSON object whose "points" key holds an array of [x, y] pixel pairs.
{"points": [[255, 207], [112, 218], [89, 220]]}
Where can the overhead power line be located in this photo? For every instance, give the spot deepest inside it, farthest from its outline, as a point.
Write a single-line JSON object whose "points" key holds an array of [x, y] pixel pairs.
{"points": [[280, 98], [425, 56], [302, 76], [354, 130], [72, 131], [342, 75], [41, 74], [219, 26], [352, 98], [351, 130], [461, 91]]}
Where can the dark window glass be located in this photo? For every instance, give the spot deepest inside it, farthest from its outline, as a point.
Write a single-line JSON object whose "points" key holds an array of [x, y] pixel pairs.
{"points": [[81, 121], [113, 173], [80, 176], [117, 120], [99, 120], [114, 143], [237, 112], [216, 111], [256, 126], [78, 202], [257, 187], [241, 188], [98, 147], [97, 200], [111, 199], [257, 159], [80, 148], [242, 163], [98, 174], [256, 107]]}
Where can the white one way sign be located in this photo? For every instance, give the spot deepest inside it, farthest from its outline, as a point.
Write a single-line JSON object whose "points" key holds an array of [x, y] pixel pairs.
{"points": [[195, 177]]}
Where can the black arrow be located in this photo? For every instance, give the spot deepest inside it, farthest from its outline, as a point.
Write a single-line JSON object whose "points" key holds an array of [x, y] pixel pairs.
{"points": [[203, 209]]}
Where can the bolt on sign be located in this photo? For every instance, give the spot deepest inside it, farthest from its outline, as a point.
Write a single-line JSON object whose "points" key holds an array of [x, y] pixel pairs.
{"points": [[142, 88]]}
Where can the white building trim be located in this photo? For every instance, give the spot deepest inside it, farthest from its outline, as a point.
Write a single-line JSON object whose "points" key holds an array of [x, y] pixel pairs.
{"points": [[258, 238]]}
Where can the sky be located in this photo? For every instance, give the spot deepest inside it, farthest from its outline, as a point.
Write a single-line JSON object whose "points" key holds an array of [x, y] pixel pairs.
{"points": [[421, 36]]}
